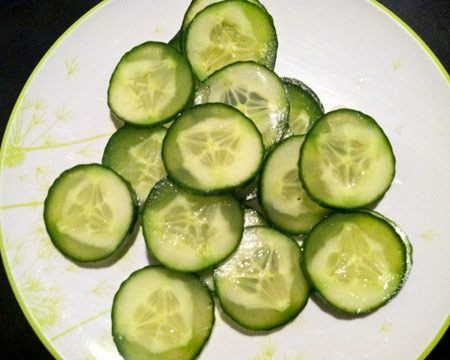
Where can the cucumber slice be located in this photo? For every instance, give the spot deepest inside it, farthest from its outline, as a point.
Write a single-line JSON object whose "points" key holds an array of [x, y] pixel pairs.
{"points": [[305, 106], [403, 236], [198, 5], [261, 286], [253, 89], [346, 160], [135, 153], [151, 83], [189, 232], [230, 31], [285, 202], [212, 148], [161, 314], [89, 211], [356, 261]]}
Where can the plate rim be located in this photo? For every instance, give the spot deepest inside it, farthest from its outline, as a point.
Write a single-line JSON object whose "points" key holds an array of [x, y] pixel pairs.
{"points": [[44, 339]]}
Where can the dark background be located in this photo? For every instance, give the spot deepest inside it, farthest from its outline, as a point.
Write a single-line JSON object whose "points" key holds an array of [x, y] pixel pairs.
{"points": [[29, 28]]}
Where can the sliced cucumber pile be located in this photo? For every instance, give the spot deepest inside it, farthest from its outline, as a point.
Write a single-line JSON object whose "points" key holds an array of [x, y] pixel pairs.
{"points": [[250, 194]]}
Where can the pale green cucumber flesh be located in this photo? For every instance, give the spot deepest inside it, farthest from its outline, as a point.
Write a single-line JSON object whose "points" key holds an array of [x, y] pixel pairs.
{"points": [[161, 314], [212, 148], [135, 154], [150, 84], [261, 286], [305, 107], [89, 211], [198, 5], [190, 232], [356, 261], [227, 32], [253, 89], [285, 202], [403, 236], [346, 160]]}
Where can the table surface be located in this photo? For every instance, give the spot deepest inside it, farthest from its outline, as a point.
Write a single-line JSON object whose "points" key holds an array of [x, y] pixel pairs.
{"points": [[29, 28]]}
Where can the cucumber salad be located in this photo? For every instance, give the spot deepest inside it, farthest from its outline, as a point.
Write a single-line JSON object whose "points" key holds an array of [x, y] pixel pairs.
{"points": [[251, 197]]}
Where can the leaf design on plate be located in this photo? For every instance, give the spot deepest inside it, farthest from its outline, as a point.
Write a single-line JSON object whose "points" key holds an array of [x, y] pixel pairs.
{"points": [[72, 66], [428, 235], [396, 64], [87, 152], [294, 357], [63, 114], [42, 298], [386, 327], [46, 251], [103, 346], [31, 131], [102, 289], [266, 351]]}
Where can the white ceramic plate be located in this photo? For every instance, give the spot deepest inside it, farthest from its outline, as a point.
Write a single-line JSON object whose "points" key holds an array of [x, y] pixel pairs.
{"points": [[353, 54]]}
